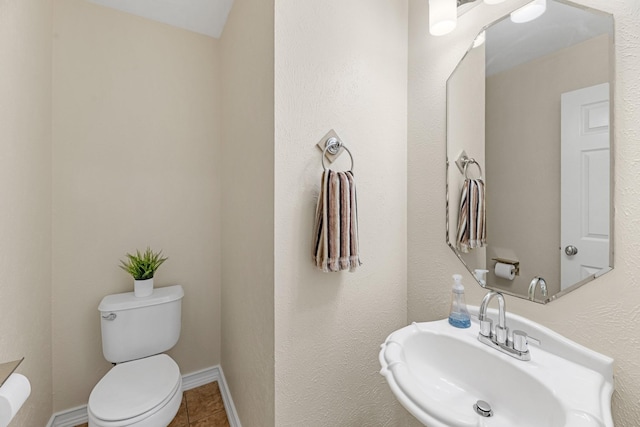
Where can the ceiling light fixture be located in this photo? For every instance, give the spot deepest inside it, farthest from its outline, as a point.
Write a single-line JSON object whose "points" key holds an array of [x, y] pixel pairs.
{"points": [[529, 12], [479, 41], [443, 14]]}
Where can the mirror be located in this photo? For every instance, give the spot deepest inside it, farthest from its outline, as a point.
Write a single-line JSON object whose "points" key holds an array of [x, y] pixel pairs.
{"points": [[529, 110]]}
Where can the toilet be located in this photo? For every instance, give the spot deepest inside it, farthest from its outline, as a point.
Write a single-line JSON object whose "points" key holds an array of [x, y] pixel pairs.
{"points": [[144, 388]]}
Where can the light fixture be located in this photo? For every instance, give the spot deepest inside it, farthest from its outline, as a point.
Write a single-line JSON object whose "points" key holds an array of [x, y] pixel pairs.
{"points": [[529, 12], [480, 39], [443, 14]]}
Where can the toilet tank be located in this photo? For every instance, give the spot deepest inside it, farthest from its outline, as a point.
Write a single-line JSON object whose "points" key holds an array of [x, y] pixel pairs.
{"points": [[136, 327]]}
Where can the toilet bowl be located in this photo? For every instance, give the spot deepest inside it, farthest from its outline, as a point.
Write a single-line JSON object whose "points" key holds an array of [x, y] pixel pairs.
{"points": [[142, 393]]}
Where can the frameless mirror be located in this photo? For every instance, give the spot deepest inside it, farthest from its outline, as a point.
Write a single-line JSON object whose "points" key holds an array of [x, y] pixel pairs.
{"points": [[529, 138]]}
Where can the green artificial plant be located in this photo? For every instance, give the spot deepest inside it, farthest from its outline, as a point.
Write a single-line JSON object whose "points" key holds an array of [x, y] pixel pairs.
{"points": [[142, 266]]}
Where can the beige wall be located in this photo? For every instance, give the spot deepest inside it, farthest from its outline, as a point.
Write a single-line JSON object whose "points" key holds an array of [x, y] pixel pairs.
{"points": [[523, 106], [25, 204], [248, 210], [599, 315], [136, 162], [117, 99], [341, 65]]}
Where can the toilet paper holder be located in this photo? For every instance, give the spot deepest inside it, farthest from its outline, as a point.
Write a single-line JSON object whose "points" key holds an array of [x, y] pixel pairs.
{"points": [[516, 264], [6, 369], [14, 391]]}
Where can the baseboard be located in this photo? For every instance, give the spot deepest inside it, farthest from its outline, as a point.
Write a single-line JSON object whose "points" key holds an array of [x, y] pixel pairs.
{"points": [[76, 416], [198, 378], [69, 418], [232, 415]]}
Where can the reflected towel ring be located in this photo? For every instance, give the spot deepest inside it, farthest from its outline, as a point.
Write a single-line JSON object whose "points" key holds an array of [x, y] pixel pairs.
{"points": [[466, 164], [333, 146]]}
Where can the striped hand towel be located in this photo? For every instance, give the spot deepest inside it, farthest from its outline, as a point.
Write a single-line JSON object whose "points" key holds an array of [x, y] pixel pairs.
{"points": [[336, 224], [472, 227]]}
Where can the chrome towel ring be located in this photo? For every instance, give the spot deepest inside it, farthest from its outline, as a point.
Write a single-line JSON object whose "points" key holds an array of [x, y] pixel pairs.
{"points": [[333, 146], [471, 160]]}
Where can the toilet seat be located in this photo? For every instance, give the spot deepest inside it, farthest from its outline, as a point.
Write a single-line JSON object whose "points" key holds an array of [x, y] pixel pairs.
{"points": [[133, 391]]}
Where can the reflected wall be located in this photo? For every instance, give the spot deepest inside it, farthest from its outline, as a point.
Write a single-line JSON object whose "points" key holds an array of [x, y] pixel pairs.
{"points": [[524, 202]]}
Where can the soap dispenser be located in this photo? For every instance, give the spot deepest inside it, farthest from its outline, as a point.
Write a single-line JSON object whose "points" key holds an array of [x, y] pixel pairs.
{"points": [[459, 315]]}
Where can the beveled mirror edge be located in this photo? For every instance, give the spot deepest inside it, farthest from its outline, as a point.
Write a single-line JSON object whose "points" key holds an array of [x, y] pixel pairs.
{"points": [[612, 186], [612, 139]]}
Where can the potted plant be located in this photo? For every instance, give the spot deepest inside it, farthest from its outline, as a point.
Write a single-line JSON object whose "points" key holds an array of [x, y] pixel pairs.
{"points": [[142, 266]]}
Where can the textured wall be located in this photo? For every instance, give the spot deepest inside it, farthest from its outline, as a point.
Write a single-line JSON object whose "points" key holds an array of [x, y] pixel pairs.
{"points": [[601, 315], [342, 65], [248, 210], [25, 202], [136, 158]]}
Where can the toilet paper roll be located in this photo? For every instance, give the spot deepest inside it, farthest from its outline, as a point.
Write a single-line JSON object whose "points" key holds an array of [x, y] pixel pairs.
{"points": [[506, 271], [13, 394]]}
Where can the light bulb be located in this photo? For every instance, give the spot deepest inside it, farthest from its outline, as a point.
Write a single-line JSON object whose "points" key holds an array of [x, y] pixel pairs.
{"points": [[529, 12], [479, 40], [443, 16]]}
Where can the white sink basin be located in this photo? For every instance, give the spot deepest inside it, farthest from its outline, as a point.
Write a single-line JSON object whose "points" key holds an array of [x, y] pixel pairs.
{"points": [[439, 372]]}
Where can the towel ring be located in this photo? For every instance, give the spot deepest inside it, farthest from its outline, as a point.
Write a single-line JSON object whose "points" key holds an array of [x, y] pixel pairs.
{"points": [[466, 164], [332, 145]]}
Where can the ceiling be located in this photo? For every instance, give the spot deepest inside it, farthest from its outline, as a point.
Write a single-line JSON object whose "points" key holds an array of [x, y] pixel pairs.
{"points": [[508, 44], [202, 16], [562, 25]]}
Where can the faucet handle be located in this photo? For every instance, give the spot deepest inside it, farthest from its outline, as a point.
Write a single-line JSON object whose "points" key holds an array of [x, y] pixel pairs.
{"points": [[520, 342], [502, 334], [485, 327]]}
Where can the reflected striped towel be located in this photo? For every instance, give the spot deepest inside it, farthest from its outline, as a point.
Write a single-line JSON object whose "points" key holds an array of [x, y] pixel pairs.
{"points": [[335, 244], [472, 227]]}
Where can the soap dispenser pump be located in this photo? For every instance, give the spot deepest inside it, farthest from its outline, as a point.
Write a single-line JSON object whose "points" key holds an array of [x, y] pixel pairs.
{"points": [[459, 315]]}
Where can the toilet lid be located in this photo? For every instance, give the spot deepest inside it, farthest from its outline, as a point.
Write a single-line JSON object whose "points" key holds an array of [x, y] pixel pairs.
{"points": [[133, 388]]}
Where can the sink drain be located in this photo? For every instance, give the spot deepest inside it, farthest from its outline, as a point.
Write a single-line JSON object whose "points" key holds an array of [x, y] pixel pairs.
{"points": [[483, 408]]}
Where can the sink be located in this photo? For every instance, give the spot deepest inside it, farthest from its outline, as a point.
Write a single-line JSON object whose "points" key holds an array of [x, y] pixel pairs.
{"points": [[438, 373]]}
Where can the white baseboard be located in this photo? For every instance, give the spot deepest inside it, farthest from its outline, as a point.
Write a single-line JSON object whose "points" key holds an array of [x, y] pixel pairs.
{"points": [[69, 418], [202, 377], [232, 415], [76, 416]]}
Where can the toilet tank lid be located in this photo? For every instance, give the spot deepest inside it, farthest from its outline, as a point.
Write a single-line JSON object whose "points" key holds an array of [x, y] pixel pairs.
{"points": [[128, 300]]}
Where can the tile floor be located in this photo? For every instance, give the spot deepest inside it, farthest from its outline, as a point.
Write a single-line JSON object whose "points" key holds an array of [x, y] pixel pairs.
{"points": [[201, 407]]}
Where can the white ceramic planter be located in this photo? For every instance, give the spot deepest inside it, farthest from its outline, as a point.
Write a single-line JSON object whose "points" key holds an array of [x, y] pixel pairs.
{"points": [[143, 288]]}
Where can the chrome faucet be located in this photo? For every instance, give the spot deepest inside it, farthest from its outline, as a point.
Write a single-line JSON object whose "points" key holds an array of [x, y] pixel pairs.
{"points": [[498, 338], [532, 287], [501, 331]]}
